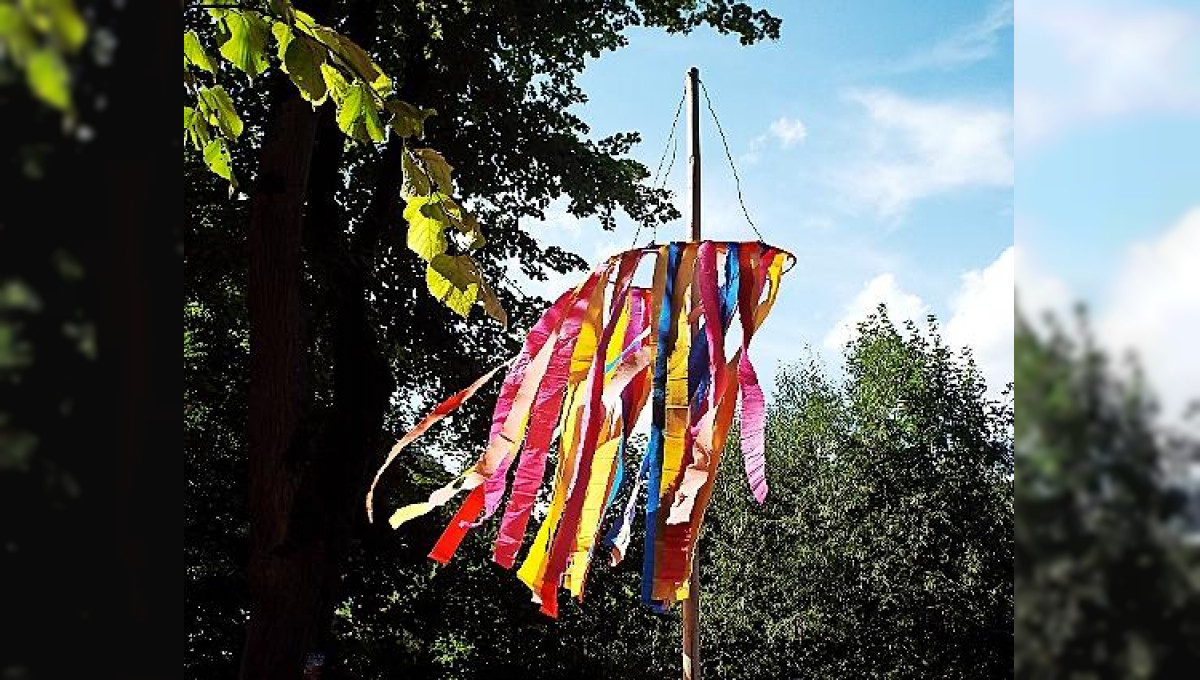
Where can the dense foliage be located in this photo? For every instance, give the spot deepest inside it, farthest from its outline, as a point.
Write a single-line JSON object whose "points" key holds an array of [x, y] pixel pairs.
{"points": [[884, 550], [885, 546]]}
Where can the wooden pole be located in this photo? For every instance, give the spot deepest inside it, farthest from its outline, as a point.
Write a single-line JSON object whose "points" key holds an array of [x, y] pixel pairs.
{"points": [[693, 124], [691, 606]]}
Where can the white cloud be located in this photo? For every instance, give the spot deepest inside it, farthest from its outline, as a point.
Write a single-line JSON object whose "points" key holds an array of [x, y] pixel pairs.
{"points": [[1080, 61], [981, 316], [982, 319], [901, 304], [968, 45], [789, 131], [917, 149], [1154, 309]]}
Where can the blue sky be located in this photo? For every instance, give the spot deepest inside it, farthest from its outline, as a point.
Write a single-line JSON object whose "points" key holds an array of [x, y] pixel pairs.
{"points": [[1108, 193], [874, 140]]}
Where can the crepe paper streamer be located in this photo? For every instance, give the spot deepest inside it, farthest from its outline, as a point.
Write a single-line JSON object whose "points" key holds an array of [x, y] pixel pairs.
{"points": [[585, 373], [440, 411]]}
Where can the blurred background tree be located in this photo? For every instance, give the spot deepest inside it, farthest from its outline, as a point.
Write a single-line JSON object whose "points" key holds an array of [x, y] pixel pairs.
{"points": [[1106, 586]]}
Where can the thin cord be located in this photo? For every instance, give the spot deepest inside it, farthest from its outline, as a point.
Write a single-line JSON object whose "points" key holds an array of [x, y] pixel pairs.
{"points": [[654, 181], [736, 180]]}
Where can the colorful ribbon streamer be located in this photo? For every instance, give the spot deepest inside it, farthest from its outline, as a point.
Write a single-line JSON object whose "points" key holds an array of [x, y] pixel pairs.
{"points": [[586, 370]]}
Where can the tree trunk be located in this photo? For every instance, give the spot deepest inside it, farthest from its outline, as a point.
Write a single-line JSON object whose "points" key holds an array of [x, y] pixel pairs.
{"points": [[282, 577], [306, 491], [307, 484]]}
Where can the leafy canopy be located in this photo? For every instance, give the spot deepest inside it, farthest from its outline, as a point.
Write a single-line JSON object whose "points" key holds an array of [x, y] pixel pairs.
{"points": [[326, 65]]}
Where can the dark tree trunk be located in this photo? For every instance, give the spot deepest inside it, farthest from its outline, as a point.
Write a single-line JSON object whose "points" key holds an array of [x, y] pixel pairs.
{"points": [[307, 482], [331, 497], [283, 577]]}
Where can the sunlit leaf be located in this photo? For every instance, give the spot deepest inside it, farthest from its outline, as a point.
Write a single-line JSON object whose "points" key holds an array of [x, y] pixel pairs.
{"points": [[283, 9], [437, 169], [356, 58], [426, 233], [335, 83], [491, 303], [49, 79], [358, 115], [302, 58], [195, 54], [416, 183], [216, 157], [16, 34], [197, 128], [68, 26], [218, 108], [454, 280], [407, 120], [245, 45]]}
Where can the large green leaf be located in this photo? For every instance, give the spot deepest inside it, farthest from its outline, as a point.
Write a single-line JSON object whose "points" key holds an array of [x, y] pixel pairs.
{"points": [[246, 42], [48, 78], [195, 54], [355, 57], [416, 183], [283, 9], [454, 280], [358, 115], [407, 120], [335, 82], [303, 63], [437, 169], [302, 58], [491, 303], [218, 109], [16, 34], [60, 19], [197, 128], [216, 157], [426, 233]]}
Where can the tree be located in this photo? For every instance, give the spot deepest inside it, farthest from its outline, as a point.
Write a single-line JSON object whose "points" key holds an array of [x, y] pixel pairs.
{"points": [[333, 329], [1104, 585], [885, 546]]}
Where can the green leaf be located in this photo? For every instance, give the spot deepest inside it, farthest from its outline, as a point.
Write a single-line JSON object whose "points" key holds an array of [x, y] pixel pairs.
{"points": [[197, 128], [437, 169], [426, 234], [491, 303], [407, 120], [355, 57], [218, 108], [416, 183], [283, 9], [49, 79], [67, 26], [247, 41], [454, 281], [16, 34], [216, 157], [195, 54], [302, 58], [358, 116], [335, 83], [305, 23]]}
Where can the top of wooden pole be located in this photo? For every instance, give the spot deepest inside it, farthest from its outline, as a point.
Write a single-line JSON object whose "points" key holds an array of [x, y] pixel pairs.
{"points": [[693, 124]]}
